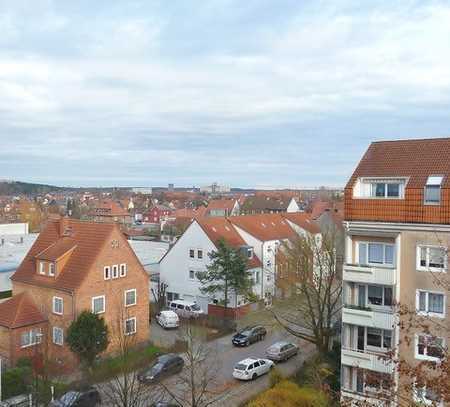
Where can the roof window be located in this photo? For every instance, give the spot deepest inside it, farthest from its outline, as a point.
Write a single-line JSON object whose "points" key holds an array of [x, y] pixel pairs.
{"points": [[432, 192]]}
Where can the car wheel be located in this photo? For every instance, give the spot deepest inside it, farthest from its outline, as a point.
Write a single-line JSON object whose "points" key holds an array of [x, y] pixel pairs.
{"points": [[254, 376], [247, 343]]}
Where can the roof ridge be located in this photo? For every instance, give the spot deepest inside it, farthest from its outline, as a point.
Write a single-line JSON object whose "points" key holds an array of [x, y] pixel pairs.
{"points": [[410, 140]]}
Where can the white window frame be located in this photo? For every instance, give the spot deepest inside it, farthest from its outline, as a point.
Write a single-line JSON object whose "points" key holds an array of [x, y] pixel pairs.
{"points": [[192, 271], [433, 181], [384, 244], [198, 257], [38, 338], [425, 357], [104, 304], [105, 276], [423, 400], [42, 268], [189, 253], [115, 271], [51, 269], [135, 326], [419, 267], [58, 329], [125, 297], [55, 299], [123, 270], [428, 313]]}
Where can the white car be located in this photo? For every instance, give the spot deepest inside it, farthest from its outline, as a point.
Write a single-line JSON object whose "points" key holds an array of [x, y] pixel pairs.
{"points": [[249, 369], [168, 319]]}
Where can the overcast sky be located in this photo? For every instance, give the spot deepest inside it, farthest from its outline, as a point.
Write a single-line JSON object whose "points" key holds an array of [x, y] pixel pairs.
{"points": [[247, 93]]}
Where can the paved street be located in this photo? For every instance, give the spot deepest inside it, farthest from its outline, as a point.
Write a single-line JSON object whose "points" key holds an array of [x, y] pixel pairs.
{"points": [[226, 356]]}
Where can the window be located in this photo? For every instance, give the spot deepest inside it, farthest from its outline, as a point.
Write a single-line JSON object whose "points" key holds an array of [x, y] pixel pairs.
{"points": [[51, 269], [257, 281], [432, 191], [426, 396], [250, 253], [123, 270], [98, 304], [379, 295], [379, 338], [115, 271], [106, 272], [386, 190], [130, 297], [200, 254], [192, 253], [191, 275], [431, 258], [30, 338], [41, 267], [429, 347], [376, 253], [58, 336], [130, 326], [58, 305], [430, 303]]}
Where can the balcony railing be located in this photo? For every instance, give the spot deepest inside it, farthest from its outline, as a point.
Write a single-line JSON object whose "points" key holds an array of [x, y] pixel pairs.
{"points": [[377, 362], [370, 317], [361, 273], [368, 397]]}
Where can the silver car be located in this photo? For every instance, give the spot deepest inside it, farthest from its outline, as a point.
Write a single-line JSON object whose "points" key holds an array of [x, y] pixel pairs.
{"points": [[281, 351]]}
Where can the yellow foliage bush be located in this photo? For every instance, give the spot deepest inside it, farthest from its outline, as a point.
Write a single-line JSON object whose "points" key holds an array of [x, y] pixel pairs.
{"points": [[289, 394]]}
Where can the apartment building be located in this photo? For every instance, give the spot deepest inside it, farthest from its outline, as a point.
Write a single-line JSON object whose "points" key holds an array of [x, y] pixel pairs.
{"points": [[397, 223], [73, 266]]}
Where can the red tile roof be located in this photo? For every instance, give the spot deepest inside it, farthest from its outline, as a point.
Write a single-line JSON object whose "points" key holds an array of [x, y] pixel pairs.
{"points": [[218, 228], [221, 204], [416, 159], [57, 249], [20, 311], [109, 208], [303, 220], [267, 226], [89, 238]]}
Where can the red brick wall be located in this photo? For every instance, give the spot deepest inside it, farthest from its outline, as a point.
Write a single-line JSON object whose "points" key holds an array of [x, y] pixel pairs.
{"points": [[408, 210], [219, 311]]}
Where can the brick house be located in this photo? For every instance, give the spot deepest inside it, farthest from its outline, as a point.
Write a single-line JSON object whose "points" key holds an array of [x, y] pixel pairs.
{"points": [[157, 214], [75, 266], [110, 211]]}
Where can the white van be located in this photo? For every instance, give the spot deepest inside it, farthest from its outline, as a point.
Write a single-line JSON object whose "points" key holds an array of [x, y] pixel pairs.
{"points": [[168, 319], [186, 309]]}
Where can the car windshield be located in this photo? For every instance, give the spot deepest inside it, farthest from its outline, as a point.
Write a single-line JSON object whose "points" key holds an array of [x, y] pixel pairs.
{"points": [[245, 333], [69, 397], [240, 366], [156, 368], [195, 307]]}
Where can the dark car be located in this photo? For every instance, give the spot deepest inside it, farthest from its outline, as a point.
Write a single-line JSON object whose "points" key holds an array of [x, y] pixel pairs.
{"points": [[83, 398], [249, 335], [165, 365]]}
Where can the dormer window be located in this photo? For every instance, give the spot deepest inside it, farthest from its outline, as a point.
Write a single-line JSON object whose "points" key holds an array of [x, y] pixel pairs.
{"points": [[41, 267], [432, 193], [250, 252], [51, 269], [380, 188]]}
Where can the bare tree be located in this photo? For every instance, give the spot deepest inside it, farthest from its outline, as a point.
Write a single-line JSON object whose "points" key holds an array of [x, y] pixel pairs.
{"points": [[196, 385], [124, 388], [308, 266]]}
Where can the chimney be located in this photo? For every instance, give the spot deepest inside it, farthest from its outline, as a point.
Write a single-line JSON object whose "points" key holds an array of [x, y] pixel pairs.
{"points": [[64, 227]]}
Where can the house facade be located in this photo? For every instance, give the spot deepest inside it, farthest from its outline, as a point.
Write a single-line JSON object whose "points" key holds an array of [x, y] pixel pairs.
{"points": [[397, 225], [110, 211], [223, 207], [75, 266], [189, 255], [157, 214]]}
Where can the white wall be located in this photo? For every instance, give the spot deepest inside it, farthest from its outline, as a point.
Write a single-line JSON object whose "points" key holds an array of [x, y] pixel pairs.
{"points": [[293, 206], [174, 267], [14, 229]]}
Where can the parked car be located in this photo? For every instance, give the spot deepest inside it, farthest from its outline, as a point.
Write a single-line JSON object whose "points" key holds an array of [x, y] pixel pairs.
{"points": [[165, 404], [164, 366], [249, 335], [84, 398], [186, 309], [168, 319], [281, 351], [249, 369]]}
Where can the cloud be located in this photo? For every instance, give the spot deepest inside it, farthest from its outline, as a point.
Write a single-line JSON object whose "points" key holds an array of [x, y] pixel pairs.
{"points": [[240, 92]]}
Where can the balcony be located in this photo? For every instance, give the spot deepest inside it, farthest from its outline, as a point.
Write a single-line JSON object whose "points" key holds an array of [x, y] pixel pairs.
{"points": [[369, 274], [367, 317], [367, 360], [366, 398]]}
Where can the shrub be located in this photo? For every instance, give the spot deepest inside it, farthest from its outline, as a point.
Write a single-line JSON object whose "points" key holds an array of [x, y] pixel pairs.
{"points": [[275, 377], [289, 394], [14, 381]]}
